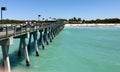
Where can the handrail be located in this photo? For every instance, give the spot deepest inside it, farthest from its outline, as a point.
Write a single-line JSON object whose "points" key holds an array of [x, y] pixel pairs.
{"points": [[16, 30]]}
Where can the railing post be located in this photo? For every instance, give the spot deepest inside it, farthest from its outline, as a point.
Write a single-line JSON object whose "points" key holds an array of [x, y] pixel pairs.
{"points": [[15, 30], [36, 26], [26, 28], [6, 31], [30, 27], [20, 29], [33, 27]]}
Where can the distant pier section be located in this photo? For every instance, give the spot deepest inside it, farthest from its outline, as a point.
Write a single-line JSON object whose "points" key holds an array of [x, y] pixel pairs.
{"points": [[47, 32]]}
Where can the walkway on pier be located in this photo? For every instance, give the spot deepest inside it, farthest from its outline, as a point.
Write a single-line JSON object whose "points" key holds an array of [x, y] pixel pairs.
{"points": [[47, 30]]}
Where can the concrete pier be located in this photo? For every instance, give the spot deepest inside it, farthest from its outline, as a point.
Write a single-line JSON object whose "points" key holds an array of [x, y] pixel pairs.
{"points": [[46, 30]]}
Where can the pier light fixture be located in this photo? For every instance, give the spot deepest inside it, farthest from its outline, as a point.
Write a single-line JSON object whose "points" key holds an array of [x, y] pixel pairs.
{"points": [[2, 9], [43, 19], [39, 17]]}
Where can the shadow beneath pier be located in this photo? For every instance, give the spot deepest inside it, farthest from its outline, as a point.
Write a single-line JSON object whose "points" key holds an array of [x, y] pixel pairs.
{"points": [[16, 60]]}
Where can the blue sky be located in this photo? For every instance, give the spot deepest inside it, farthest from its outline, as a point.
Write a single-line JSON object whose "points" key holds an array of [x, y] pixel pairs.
{"points": [[85, 9]]}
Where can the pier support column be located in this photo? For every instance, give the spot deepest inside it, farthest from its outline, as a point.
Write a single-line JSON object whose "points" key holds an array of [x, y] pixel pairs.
{"points": [[26, 52], [29, 41], [52, 33], [5, 49], [20, 47], [35, 43], [55, 30], [46, 36], [41, 39], [50, 36], [24, 46]]}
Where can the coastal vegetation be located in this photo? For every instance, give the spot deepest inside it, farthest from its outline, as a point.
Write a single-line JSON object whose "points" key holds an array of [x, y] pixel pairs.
{"points": [[73, 20], [8, 21]]}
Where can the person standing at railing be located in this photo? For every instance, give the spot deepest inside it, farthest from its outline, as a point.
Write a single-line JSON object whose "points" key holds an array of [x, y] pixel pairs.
{"points": [[28, 23]]}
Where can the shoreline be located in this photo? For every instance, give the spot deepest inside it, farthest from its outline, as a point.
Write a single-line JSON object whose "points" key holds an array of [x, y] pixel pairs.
{"points": [[91, 25]]}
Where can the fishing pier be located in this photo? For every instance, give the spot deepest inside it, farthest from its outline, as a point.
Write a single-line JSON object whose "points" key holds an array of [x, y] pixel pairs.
{"points": [[47, 32]]}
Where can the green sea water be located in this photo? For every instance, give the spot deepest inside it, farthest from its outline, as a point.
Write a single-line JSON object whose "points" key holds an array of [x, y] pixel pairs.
{"points": [[75, 49]]}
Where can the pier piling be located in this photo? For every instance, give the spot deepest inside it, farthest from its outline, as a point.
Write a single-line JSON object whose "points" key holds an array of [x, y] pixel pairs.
{"points": [[35, 43], [46, 36], [24, 46], [26, 52], [20, 47], [50, 37], [41, 39], [29, 41], [52, 33], [5, 50]]}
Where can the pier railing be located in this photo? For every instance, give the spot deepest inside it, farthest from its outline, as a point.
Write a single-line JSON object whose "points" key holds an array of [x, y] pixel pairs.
{"points": [[20, 29]]}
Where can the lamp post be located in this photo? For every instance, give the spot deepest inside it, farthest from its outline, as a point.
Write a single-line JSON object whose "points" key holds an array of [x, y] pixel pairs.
{"points": [[39, 17], [2, 9], [43, 19], [50, 18]]}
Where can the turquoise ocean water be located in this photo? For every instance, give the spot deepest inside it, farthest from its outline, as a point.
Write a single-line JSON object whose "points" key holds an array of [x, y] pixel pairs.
{"points": [[75, 49]]}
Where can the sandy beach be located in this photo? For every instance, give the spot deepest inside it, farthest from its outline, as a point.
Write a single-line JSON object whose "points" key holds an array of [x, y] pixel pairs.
{"points": [[90, 25]]}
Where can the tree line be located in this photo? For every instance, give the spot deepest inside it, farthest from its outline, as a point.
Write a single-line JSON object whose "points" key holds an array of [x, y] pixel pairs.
{"points": [[8, 21], [110, 20], [73, 20]]}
